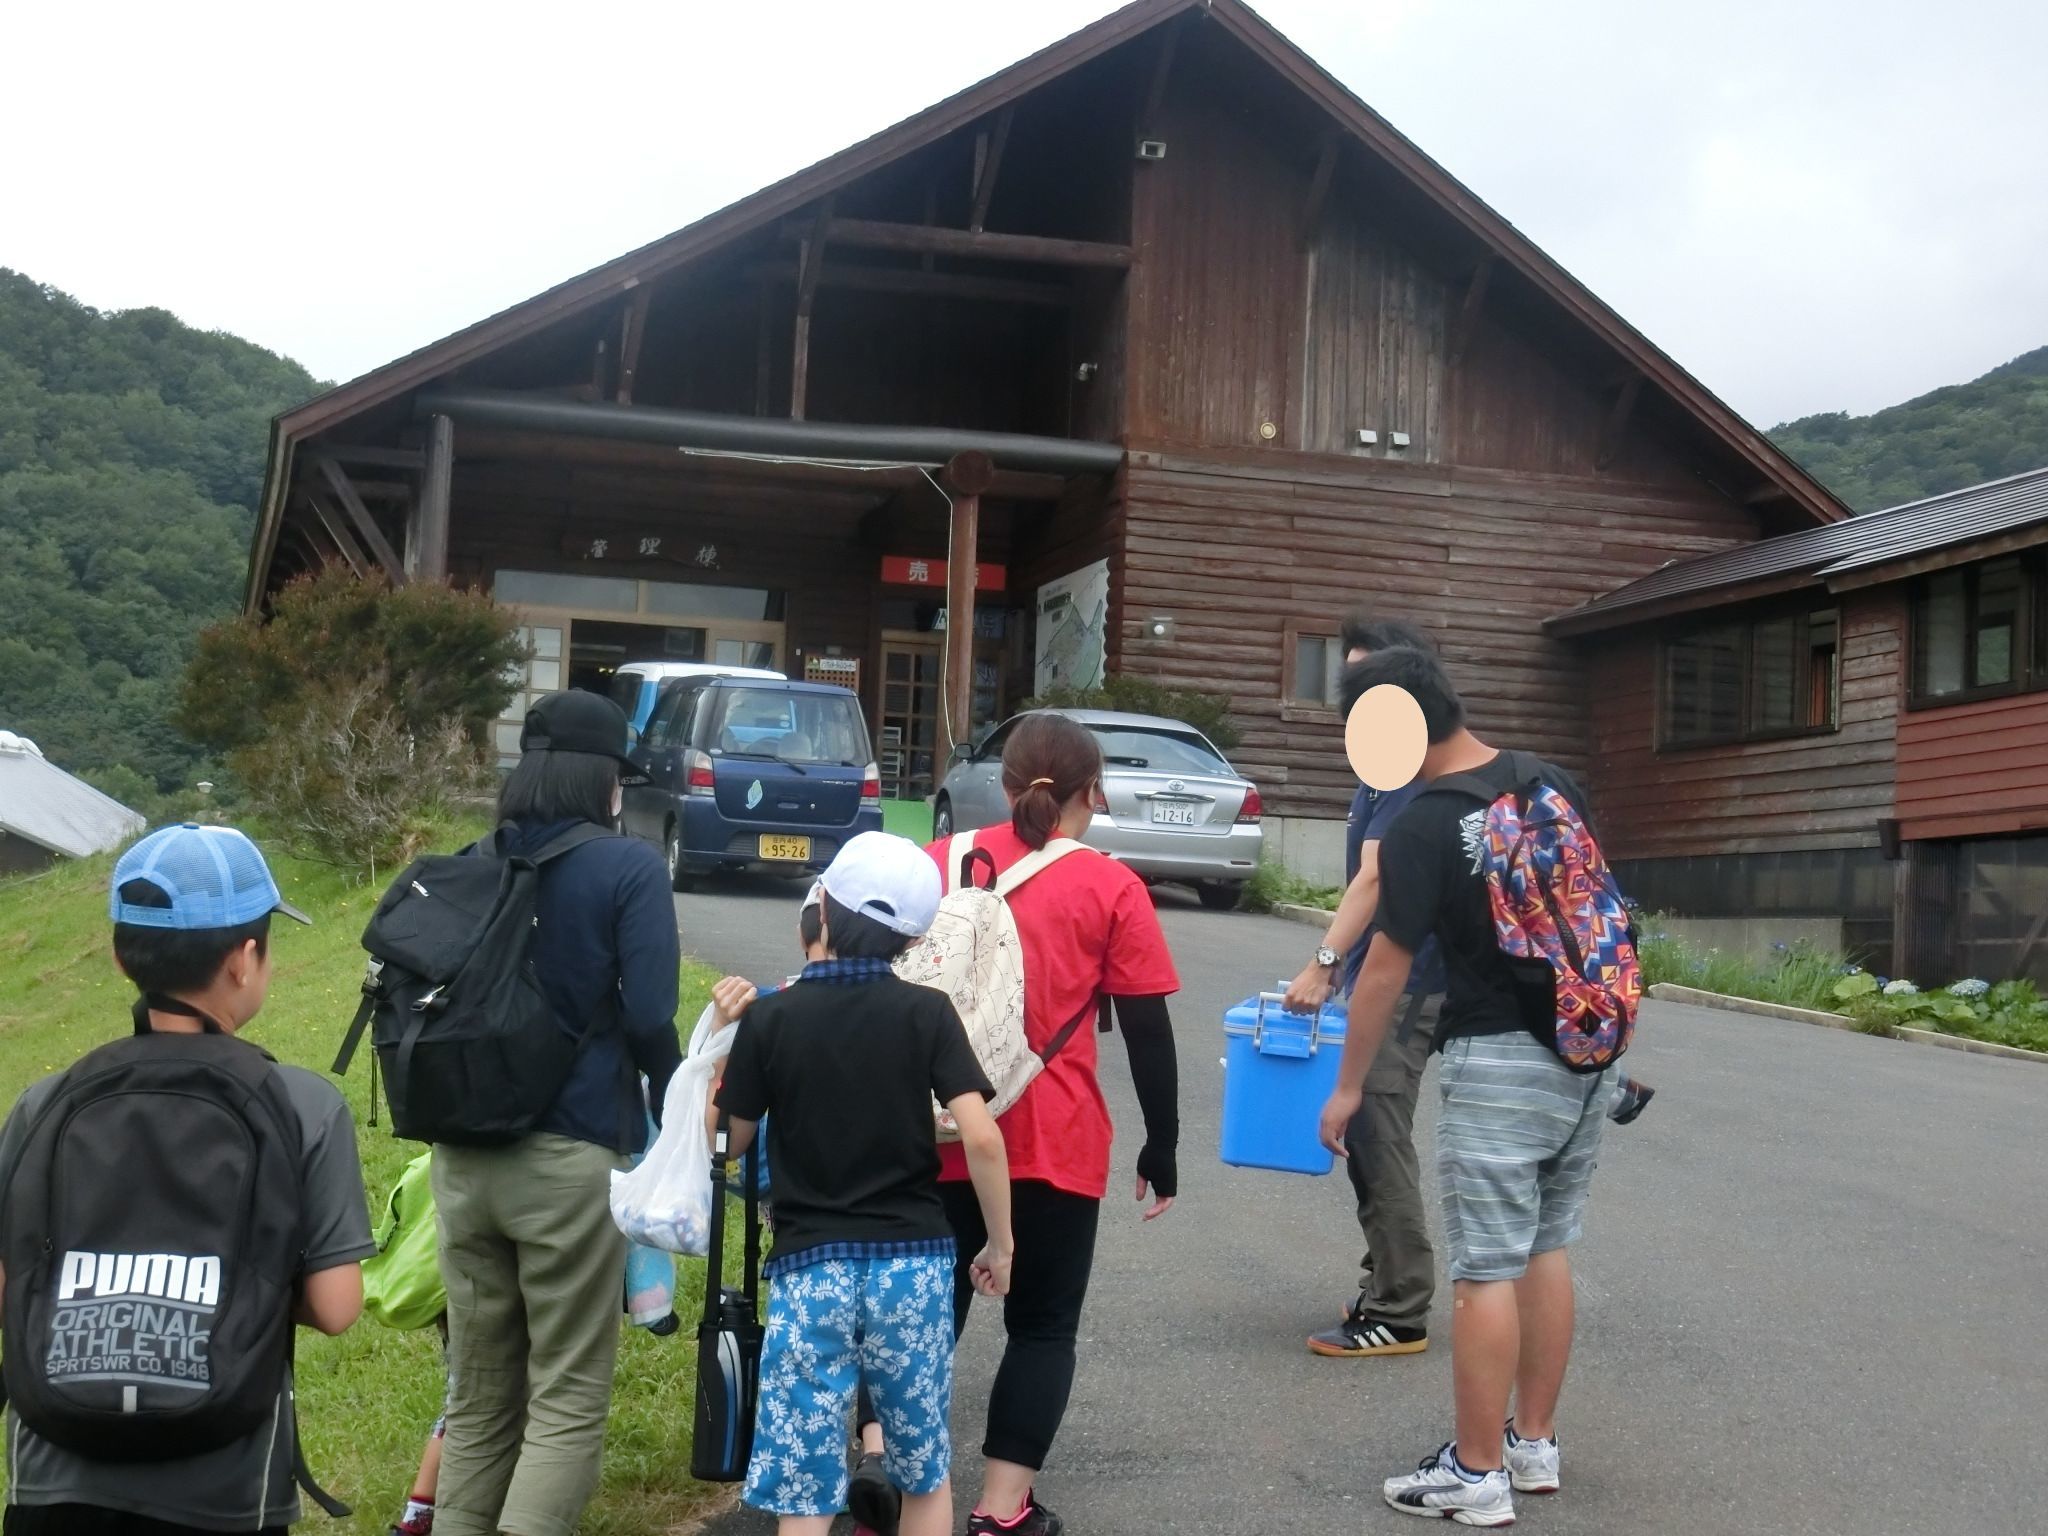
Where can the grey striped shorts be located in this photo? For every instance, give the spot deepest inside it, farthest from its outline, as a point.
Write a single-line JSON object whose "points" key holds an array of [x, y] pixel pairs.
{"points": [[1516, 1140]]}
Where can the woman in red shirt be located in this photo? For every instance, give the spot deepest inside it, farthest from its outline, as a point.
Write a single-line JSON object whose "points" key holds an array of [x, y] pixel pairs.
{"points": [[1089, 932]]}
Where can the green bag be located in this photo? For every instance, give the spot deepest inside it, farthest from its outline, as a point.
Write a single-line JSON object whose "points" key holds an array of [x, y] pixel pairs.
{"points": [[402, 1280]]}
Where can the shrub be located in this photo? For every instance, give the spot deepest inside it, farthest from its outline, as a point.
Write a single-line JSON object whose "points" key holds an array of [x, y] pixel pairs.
{"points": [[1275, 885], [1207, 712], [2011, 1013], [1796, 975], [347, 783], [357, 716]]}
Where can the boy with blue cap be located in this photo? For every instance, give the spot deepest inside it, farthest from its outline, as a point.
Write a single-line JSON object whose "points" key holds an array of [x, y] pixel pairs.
{"points": [[191, 909]]}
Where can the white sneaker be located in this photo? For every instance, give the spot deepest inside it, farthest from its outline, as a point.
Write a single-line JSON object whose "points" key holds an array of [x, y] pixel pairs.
{"points": [[1436, 1489], [1532, 1464]]}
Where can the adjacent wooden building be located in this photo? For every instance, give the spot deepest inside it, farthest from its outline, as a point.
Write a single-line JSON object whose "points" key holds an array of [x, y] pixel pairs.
{"points": [[1850, 721], [1158, 351]]}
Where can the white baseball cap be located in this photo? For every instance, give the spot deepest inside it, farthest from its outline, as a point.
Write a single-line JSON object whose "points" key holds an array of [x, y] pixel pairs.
{"points": [[887, 878]]}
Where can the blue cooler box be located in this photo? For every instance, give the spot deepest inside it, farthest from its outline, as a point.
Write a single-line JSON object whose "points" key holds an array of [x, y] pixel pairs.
{"points": [[1279, 1070]]}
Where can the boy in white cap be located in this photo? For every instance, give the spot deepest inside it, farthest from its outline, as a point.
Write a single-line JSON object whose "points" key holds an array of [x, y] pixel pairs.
{"points": [[848, 1060]]}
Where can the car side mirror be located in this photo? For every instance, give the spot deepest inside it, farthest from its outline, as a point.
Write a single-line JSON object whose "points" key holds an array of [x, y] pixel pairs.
{"points": [[963, 751]]}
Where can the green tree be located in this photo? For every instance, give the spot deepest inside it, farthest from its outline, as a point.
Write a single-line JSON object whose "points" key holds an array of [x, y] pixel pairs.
{"points": [[131, 457]]}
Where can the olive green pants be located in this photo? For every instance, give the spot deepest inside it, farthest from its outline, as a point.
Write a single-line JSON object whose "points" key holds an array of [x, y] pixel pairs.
{"points": [[536, 1274]]}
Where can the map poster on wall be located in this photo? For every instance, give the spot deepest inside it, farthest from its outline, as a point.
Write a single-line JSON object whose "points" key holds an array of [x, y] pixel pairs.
{"points": [[1073, 625]]}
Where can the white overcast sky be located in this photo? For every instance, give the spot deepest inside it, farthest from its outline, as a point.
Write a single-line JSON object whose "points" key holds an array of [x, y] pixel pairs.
{"points": [[1812, 204]]}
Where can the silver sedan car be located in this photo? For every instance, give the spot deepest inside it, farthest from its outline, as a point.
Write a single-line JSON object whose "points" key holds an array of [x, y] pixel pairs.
{"points": [[1177, 809]]}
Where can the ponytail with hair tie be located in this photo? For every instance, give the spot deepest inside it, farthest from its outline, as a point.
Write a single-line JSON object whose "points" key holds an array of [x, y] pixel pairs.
{"points": [[1047, 761]]}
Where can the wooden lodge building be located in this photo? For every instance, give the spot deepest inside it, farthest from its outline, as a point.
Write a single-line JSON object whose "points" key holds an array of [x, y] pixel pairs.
{"points": [[1160, 350]]}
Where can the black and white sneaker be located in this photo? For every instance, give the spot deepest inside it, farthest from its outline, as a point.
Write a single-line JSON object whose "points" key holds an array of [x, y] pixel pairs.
{"points": [[1439, 1490], [1360, 1335]]}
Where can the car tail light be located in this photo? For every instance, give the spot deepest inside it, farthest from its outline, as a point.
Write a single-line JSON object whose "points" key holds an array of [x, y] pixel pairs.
{"points": [[1253, 807], [703, 777], [871, 786]]}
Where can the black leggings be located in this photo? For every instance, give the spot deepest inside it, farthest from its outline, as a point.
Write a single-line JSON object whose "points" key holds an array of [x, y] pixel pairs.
{"points": [[1055, 1234]]}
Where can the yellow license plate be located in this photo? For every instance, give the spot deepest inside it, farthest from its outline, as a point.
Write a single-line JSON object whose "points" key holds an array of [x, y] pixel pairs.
{"points": [[797, 848]]}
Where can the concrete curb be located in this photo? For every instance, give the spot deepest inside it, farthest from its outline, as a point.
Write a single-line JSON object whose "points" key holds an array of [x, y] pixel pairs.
{"points": [[1671, 992], [1313, 917], [1964, 1043]]}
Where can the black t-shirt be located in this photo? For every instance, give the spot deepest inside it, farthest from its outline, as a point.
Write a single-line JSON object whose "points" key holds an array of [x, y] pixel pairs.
{"points": [[1432, 881], [846, 1072]]}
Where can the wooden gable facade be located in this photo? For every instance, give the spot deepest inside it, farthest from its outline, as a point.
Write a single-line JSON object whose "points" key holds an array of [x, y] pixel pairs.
{"points": [[1207, 318]]}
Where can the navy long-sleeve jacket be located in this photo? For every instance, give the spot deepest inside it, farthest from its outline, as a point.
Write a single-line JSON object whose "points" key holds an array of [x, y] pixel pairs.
{"points": [[607, 954]]}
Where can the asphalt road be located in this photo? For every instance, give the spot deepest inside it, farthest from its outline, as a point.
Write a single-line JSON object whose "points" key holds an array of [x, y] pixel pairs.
{"points": [[1813, 1293]]}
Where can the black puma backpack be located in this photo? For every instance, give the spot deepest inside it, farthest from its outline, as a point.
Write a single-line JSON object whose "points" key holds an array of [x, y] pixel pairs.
{"points": [[153, 1248], [470, 1050]]}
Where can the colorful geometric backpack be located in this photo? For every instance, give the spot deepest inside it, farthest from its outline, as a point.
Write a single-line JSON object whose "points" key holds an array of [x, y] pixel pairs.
{"points": [[1558, 917]]}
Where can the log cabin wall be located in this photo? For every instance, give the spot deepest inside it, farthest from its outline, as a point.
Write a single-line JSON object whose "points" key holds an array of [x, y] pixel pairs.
{"points": [[1974, 769], [1234, 548], [1824, 790]]}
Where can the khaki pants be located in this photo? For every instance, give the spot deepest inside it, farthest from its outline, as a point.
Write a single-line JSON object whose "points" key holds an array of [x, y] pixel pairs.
{"points": [[535, 1272], [1399, 1281]]}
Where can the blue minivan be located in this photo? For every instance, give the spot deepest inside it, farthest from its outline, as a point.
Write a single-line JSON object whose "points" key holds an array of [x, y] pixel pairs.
{"points": [[753, 773]]}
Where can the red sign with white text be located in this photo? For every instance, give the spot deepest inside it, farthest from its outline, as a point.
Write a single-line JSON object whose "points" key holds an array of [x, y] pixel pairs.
{"points": [[908, 571]]}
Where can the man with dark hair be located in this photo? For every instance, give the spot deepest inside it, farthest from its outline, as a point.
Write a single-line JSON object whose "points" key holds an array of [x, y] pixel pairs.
{"points": [[1397, 1276], [1519, 1129], [191, 909]]}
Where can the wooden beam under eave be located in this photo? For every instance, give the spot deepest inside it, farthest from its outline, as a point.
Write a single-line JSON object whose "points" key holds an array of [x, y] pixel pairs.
{"points": [[917, 281], [877, 235], [1162, 72], [336, 525], [988, 164], [810, 266], [632, 327], [1469, 309], [1617, 421], [1764, 495], [1319, 189], [430, 556], [366, 525], [373, 457]]}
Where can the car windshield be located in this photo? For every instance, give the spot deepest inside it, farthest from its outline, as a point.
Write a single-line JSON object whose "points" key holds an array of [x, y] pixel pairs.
{"points": [[1162, 751], [787, 726]]}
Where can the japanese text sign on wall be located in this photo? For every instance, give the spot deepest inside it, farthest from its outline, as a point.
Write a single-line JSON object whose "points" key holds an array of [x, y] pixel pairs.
{"points": [[911, 571]]}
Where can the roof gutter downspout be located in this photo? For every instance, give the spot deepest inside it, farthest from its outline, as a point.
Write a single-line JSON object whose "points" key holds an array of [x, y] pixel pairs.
{"points": [[769, 435]]}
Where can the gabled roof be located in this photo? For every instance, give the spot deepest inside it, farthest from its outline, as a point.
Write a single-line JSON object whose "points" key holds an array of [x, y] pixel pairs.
{"points": [[795, 193], [1850, 553], [41, 802]]}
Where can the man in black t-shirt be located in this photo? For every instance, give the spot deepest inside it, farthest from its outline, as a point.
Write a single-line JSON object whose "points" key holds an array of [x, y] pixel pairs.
{"points": [[1518, 1130]]}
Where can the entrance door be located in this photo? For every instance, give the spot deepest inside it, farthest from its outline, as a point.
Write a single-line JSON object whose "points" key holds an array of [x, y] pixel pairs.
{"points": [[908, 741]]}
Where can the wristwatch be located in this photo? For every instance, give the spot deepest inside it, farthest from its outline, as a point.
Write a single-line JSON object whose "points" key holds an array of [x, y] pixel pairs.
{"points": [[1328, 958]]}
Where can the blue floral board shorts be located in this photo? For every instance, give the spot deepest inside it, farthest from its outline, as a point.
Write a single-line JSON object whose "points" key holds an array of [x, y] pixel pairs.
{"points": [[833, 1325]]}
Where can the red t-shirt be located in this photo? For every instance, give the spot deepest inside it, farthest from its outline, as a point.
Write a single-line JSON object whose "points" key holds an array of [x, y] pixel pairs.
{"points": [[1088, 930]]}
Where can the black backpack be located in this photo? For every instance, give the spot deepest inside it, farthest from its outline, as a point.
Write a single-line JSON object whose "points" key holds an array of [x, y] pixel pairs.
{"points": [[470, 1050], [154, 1243]]}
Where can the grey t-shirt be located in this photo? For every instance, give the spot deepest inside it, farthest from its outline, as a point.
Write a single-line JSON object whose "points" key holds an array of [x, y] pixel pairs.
{"points": [[248, 1485]]}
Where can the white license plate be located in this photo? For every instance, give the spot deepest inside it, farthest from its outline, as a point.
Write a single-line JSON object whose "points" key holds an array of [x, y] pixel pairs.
{"points": [[1173, 815]]}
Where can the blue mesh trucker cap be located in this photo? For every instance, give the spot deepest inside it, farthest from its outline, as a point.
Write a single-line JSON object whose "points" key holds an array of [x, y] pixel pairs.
{"points": [[214, 877]]}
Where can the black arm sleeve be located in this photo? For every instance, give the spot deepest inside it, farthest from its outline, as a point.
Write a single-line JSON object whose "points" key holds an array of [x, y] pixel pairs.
{"points": [[1155, 1074]]}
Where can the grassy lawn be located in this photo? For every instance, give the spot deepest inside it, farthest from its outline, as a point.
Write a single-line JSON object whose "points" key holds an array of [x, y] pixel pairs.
{"points": [[367, 1399], [908, 818]]}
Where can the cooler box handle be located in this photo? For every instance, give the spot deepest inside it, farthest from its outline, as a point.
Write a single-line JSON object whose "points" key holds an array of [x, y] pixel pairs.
{"points": [[1296, 1044]]}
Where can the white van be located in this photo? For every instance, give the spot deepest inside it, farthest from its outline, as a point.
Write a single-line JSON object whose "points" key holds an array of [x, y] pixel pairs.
{"points": [[636, 683]]}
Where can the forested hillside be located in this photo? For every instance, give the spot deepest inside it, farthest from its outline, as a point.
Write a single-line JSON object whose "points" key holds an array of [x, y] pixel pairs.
{"points": [[1955, 436], [131, 457]]}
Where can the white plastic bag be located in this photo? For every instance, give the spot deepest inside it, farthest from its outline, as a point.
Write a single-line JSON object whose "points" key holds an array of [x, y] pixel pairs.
{"points": [[665, 1201]]}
